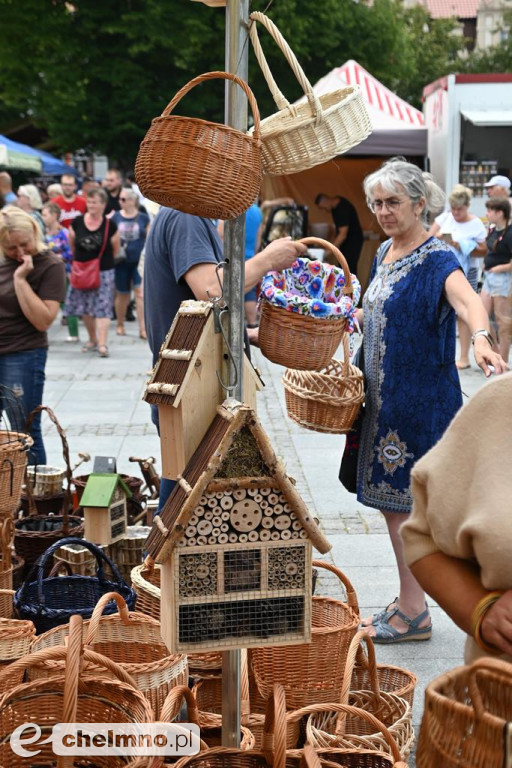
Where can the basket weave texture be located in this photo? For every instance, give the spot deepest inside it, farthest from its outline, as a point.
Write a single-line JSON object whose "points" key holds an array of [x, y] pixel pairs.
{"points": [[15, 638], [199, 167], [13, 461], [301, 136], [69, 698], [328, 400], [465, 717], [312, 672], [304, 342], [133, 641]]}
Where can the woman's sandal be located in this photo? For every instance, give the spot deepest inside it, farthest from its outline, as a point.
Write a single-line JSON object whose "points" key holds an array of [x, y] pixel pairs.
{"points": [[385, 633], [89, 346], [103, 350], [381, 615], [120, 331]]}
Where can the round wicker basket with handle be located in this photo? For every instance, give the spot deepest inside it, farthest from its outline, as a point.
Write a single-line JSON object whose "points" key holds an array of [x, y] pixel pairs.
{"points": [[467, 717], [207, 169], [327, 400], [301, 136], [312, 672], [391, 679], [130, 639], [69, 698], [303, 342]]}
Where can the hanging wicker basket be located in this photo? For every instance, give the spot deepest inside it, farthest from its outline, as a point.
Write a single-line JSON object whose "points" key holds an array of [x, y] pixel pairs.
{"points": [[312, 672], [207, 169], [301, 136], [328, 400], [466, 721], [132, 640], [300, 341], [14, 447]]}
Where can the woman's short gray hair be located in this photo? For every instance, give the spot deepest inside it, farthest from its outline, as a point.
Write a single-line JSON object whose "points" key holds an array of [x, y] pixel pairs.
{"points": [[33, 194], [397, 175]]}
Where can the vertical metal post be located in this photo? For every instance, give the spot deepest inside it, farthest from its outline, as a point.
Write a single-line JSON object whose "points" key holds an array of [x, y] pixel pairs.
{"points": [[237, 16]]}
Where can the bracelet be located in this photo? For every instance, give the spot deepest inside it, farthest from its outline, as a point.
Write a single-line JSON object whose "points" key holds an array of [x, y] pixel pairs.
{"points": [[482, 332], [477, 617]]}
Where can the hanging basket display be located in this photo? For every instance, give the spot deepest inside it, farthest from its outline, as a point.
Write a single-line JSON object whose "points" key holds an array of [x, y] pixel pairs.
{"points": [[199, 167], [305, 310], [327, 400], [301, 136]]}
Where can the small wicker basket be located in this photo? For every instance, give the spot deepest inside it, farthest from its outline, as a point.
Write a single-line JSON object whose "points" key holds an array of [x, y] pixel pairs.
{"points": [[303, 342], [328, 400], [199, 167], [45, 480], [301, 136]]}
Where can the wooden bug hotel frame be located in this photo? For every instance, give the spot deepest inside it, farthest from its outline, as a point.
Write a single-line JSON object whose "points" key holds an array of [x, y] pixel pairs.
{"points": [[185, 387], [234, 540]]}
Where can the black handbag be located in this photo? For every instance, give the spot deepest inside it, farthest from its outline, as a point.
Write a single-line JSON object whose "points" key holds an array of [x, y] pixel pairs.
{"points": [[348, 468]]}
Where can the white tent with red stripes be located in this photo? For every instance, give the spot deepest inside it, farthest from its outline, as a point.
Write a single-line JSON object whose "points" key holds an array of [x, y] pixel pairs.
{"points": [[398, 128]]}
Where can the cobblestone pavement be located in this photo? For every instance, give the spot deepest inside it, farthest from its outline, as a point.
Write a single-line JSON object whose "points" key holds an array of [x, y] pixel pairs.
{"points": [[98, 402]]}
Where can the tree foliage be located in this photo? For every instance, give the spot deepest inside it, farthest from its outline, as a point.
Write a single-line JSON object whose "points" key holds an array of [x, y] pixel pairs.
{"points": [[95, 72]]}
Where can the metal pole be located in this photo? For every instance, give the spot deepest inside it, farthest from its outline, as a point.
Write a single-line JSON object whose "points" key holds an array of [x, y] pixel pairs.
{"points": [[237, 16]]}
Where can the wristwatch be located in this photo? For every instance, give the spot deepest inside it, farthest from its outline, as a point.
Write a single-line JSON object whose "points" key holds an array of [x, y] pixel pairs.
{"points": [[482, 332]]}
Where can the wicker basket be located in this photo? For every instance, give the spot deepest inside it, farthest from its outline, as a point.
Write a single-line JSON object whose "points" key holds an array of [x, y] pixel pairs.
{"points": [[15, 639], [328, 400], [45, 480], [303, 342], [200, 167], [301, 136], [312, 672], [133, 641], [35, 533], [390, 679], [466, 721], [146, 583], [14, 447], [69, 698]]}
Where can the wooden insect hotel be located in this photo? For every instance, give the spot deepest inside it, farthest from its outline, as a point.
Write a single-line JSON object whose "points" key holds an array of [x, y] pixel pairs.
{"points": [[185, 387], [104, 505], [234, 540]]}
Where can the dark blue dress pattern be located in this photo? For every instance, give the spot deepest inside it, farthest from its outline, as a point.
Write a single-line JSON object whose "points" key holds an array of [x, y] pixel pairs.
{"points": [[413, 388]]}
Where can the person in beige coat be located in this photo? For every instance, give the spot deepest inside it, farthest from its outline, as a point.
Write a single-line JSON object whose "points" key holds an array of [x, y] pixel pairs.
{"points": [[458, 539]]}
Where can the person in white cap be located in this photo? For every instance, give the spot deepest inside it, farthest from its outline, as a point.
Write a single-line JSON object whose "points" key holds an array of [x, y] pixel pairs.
{"points": [[498, 186]]}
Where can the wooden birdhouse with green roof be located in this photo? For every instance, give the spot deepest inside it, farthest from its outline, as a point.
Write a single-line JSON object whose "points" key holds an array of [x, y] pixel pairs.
{"points": [[104, 505]]}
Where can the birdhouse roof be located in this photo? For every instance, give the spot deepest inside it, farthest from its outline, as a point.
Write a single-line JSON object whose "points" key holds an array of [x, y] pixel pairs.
{"points": [[100, 489], [178, 354], [235, 447]]}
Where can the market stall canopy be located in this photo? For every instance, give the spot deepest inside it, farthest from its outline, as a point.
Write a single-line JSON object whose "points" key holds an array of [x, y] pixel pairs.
{"points": [[488, 117], [398, 127], [21, 157]]}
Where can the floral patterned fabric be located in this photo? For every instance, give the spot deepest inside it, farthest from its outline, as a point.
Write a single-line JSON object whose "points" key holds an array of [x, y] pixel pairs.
{"points": [[412, 384], [311, 288]]}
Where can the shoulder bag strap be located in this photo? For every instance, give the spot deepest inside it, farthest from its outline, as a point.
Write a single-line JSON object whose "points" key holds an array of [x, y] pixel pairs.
{"points": [[104, 245]]}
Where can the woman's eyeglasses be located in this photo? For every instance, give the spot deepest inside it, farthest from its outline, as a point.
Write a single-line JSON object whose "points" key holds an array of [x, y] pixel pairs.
{"points": [[392, 205]]}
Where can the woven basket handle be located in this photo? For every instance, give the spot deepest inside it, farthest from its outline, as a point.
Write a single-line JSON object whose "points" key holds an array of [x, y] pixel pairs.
{"points": [[273, 743], [97, 614], [65, 452], [347, 709], [292, 60], [172, 705], [351, 593], [219, 76], [348, 288], [500, 671], [7, 531], [353, 650], [309, 758]]}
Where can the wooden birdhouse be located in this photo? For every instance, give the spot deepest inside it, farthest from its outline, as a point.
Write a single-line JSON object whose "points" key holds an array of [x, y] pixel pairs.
{"points": [[104, 505], [185, 387], [234, 540]]}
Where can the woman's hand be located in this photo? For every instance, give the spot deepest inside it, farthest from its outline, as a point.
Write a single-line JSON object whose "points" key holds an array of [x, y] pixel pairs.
{"points": [[485, 356], [496, 628], [26, 266]]}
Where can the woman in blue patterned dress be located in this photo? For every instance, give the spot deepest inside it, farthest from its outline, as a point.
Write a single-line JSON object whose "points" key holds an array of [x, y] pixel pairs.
{"points": [[413, 388]]}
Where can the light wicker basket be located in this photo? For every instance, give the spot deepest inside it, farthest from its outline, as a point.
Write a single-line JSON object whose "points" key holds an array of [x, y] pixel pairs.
{"points": [[301, 136], [313, 672], [466, 721], [45, 480], [390, 678], [303, 342], [130, 639], [14, 447], [15, 639], [146, 583], [328, 400], [199, 167], [69, 698]]}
